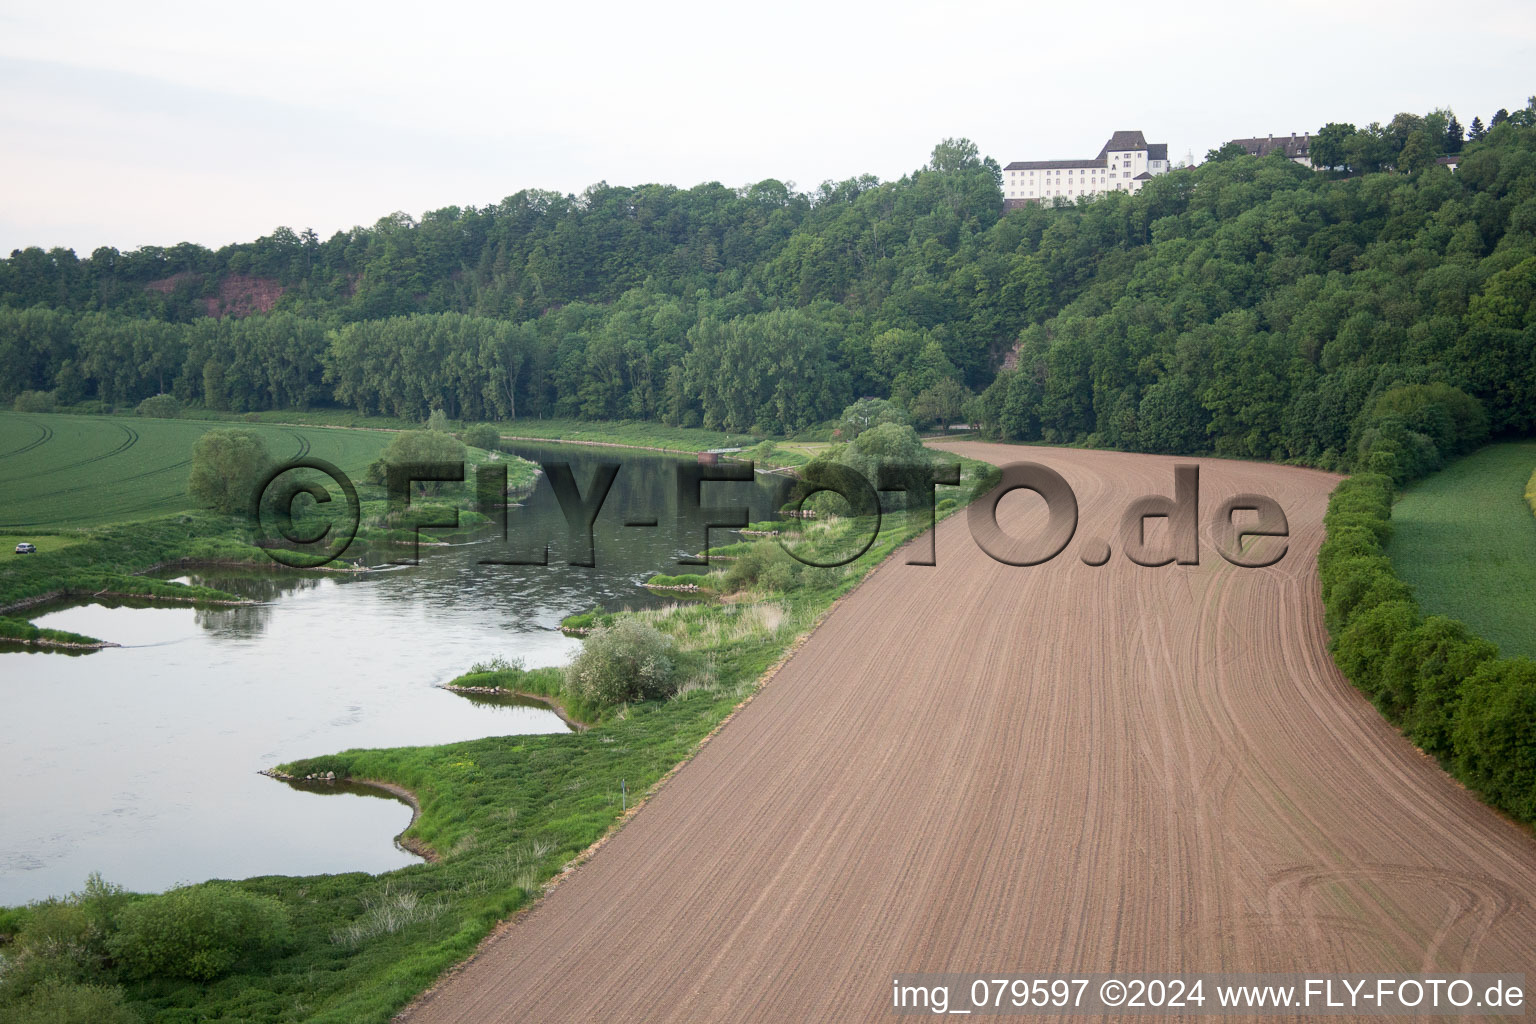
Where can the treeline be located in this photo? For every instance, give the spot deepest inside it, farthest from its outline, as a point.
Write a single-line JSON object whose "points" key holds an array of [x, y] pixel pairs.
{"points": [[1272, 306], [1446, 687], [1248, 307]]}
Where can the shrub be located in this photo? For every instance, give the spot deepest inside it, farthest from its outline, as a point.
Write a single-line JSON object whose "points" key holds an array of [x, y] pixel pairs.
{"points": [[227, 467], [57, 943], [1363, 646], [764, 563], [417, 446], [1354, 585], [1424, 675], [1494, 734], [12, 919], [61, 941], [629, 660], [63, 1002], [437, 421], [198, 932], [92, 407], [34, 401], [482, 435], [163, 407]]}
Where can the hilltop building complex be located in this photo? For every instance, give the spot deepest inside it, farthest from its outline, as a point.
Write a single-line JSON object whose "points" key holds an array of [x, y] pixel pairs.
{"points": [[1125, 163]]}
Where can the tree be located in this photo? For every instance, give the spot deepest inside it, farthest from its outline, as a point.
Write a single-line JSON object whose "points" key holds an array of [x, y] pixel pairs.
{"points": [[1476, 131], [1495, 734], [1453, 135], [1416, 154], [417, 447], [227, 467], [1499, 117], [867, 413], [1329, 146], [1170, 418], [954, 155], [943, 401], [34, 401], [1227, 151], [438, 421], [164, 407]]}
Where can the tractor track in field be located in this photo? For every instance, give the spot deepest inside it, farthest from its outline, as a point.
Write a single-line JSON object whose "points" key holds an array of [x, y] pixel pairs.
{"points": [[1056, 769], [46, 436]]}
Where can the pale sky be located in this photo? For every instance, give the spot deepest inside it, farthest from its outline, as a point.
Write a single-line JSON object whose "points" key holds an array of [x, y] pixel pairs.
{"points": [[150, 124]]}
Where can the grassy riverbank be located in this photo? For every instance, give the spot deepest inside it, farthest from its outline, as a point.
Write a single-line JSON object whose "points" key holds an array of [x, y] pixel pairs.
{"points": [[506, 814]]}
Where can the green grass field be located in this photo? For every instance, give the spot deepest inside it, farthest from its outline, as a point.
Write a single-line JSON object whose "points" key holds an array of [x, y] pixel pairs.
{"points": [[1465, 540], [61, 471]]}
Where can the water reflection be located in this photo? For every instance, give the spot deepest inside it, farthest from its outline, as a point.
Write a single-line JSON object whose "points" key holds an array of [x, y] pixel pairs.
{"points": [[140, 762]]}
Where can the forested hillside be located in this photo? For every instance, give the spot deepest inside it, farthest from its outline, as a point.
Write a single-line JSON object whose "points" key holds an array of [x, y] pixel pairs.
{"points": [[1248, 307]]}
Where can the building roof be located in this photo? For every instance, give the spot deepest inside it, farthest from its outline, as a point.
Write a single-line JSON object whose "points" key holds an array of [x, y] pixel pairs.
{"points": [[1450, 161], [1052, 165], [1122, 141], [1143, 176], [1295, 147]]}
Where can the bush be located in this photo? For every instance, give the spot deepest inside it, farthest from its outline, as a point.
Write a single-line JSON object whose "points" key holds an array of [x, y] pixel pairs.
{"points": [[1355, 585], [198, 932], [1363, 646], [163, 407], [62, 1002], [1495, 734], [482, 435], [417, 446], [762, 563], [227, 467], [34, 401], [92, 407], [12, 919], [1424, 675], [629, 660], [61, 941]]}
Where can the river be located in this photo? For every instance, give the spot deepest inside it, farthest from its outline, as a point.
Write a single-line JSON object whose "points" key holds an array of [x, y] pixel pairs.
{"points": [[140, 762]]}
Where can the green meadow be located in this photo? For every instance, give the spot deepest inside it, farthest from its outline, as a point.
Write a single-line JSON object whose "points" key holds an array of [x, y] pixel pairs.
{"points": [[1465, 540], [62, 472]]}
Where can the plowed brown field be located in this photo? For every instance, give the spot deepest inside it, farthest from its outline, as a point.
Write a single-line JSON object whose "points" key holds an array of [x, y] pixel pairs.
{"points": [[976, 767]]}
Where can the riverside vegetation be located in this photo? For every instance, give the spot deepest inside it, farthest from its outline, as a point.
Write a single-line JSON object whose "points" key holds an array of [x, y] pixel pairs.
{"points": [[175, 464], [1380, 318], [502, 815]]}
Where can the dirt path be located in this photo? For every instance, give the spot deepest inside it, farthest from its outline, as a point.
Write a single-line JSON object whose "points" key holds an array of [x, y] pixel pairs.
{"points": [[1062, 768]]}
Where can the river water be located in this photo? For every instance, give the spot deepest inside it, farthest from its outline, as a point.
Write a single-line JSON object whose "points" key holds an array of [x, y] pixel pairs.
{"points": [[140, 762]]}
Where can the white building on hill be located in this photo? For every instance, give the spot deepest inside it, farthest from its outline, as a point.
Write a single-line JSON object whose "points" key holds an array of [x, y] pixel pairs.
{"points": [[1126, 162]]}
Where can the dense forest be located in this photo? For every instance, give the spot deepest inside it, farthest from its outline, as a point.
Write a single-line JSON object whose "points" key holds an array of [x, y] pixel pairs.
{"points": [[1246, 306]]}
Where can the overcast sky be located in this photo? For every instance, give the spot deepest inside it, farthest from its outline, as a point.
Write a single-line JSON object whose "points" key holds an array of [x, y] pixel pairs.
{"points": [[131, 125]]}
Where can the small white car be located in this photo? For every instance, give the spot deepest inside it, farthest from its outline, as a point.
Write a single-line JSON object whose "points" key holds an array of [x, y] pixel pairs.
{"points": [[25, 548]]}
